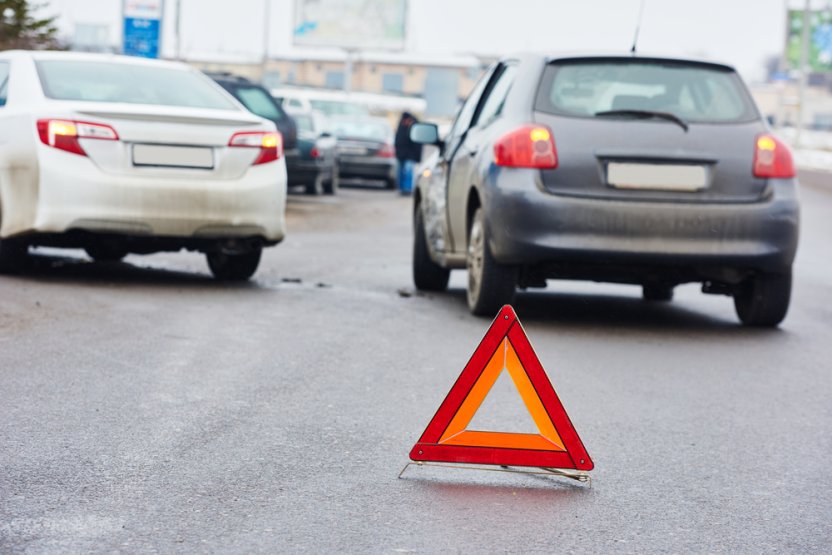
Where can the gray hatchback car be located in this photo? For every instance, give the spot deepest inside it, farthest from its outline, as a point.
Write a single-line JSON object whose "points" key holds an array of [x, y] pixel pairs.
{"points": [[628, 169]]}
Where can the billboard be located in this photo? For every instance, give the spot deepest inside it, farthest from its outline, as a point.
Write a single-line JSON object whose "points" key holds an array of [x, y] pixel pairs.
{"points": [[820, 40], [142, 27], [351, 24]]}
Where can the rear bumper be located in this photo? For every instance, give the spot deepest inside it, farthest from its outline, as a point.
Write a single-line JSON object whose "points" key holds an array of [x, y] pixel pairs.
{"points": [[368, 167], [534, 228], [301, 170], [77, 196]]}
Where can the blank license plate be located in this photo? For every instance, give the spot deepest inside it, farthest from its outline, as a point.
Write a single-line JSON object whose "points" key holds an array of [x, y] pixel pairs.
{"points": [[659, 177], [173, 156], [352, 150]]}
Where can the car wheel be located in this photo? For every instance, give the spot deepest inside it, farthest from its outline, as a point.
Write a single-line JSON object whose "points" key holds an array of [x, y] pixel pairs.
{"points": [[331, 186], [316, 187], [763, 300], [657, 293], [490, 284], [233, 267], [427, 274], [105, 253], [13, 255]]}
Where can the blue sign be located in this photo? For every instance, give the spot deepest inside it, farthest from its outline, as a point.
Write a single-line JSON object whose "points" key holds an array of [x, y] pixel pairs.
{"points": [[141, 37]]}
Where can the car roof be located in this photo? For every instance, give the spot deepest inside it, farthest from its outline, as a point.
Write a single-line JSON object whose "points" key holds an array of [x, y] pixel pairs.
{"points": [[38, 55], [616, 55]]}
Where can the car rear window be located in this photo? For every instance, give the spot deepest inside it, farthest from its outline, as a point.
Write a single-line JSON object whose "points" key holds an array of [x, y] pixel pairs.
{"points": [[369, 130], [129, 83], [304, 123], [260, 102], [693, 92]]}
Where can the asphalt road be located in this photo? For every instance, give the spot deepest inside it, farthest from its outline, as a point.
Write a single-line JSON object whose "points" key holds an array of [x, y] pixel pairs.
{"points": [[146, 408]]}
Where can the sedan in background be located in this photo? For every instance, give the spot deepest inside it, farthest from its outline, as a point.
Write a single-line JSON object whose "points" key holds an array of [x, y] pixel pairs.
{"points": [[629, 169], [314, 163], [121, 155], [365, 149]]}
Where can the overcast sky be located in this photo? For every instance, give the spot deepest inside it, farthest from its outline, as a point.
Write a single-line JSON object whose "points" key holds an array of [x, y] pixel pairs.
{"points": [[741, 32]]}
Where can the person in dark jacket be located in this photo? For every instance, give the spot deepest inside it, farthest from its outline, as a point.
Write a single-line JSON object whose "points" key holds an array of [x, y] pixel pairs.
{"points": [[408, 153]]}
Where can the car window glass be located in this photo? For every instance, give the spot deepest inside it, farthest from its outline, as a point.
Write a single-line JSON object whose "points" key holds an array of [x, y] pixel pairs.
{"points": [[295, 103], [4, 82], [260, 102], [373, 130], [693, 92], [131, 84], [466, 113], [304, 123], [493, 104]]}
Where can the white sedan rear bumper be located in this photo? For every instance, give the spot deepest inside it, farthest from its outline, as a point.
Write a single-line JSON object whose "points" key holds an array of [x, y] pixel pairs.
{"points": [[77, 195]]}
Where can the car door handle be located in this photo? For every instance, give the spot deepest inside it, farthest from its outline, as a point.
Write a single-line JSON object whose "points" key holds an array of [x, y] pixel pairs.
{"points": [[473, 152]]}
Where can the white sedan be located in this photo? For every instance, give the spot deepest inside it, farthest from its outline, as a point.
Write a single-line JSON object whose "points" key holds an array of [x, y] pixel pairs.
{"points": [[117, 155]]}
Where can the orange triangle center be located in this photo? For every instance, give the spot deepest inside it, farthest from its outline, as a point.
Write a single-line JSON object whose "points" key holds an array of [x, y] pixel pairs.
{"points": [[504, 358]]}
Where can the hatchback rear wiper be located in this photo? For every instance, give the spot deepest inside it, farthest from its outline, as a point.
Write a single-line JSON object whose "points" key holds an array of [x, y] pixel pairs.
{"points": [[646, 114]]}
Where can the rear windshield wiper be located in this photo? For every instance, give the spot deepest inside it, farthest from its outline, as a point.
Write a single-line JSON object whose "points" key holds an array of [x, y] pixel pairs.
{"points": [[646, 114]]}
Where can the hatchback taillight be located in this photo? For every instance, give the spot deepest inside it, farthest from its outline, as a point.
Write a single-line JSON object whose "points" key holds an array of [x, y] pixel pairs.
{"points": [[772, 158], [65, 134], [269, 143], [531, 146]]}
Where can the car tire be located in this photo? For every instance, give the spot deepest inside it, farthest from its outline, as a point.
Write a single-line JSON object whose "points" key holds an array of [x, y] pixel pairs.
{"points": [[490, 284], [13, 255], [427, 274], [763, 299], [316, 187], [332, 184], [657, 293], [233, 267], [105, 253]]}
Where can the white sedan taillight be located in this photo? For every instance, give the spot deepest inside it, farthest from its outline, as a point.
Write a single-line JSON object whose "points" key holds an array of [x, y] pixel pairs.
{"points": [[64, 134], [269, 143]]}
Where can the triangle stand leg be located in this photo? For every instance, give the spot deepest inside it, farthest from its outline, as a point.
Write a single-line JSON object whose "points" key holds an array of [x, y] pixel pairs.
{"points": [[576, 475]]}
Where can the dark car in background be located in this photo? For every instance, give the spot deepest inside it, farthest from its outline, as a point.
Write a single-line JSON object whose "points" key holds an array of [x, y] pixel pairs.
{"points": [[365, 149], [314, 162], [630, 169], [259, 101]]}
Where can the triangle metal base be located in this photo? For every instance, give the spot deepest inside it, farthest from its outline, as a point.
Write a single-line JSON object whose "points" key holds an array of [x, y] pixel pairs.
{"points": [[576, 475]]}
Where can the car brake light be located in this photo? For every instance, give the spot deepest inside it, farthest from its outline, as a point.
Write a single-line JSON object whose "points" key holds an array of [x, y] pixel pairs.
{"points": [[314, 153], [772, 158], [386, 151], [531, 146], [65, 134], [269, 143]]}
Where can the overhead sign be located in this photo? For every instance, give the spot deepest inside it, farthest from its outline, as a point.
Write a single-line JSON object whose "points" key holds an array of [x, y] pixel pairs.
{"points": [[447, 437], [142, 27], [365, 25], [820, 40]]}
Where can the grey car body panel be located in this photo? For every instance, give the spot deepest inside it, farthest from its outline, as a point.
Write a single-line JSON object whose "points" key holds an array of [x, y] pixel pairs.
{"points": [[568, 222]]}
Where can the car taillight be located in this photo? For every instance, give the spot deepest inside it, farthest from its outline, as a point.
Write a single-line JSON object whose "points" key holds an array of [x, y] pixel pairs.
{"points": [[65, 134], [531, 146], [386, 151], [314, 153], [772, 158], [269, 143]]}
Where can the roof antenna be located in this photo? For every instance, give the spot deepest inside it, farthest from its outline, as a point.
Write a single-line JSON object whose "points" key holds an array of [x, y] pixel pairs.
{"points": [[638, 27]]}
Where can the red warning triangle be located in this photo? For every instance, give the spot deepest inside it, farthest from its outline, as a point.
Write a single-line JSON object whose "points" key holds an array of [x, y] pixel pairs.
{"points": [[504, 347]]}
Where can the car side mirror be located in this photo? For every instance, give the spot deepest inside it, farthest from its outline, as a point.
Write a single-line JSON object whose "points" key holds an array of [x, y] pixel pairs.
{"points": [[325, 134], [425, 134]]}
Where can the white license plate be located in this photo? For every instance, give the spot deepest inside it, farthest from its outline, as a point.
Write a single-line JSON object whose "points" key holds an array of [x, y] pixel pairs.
{"points": [[352, 150], [173, 156], [657, 177]]}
